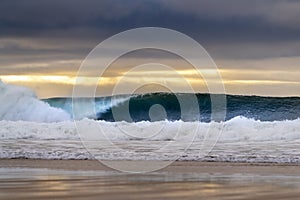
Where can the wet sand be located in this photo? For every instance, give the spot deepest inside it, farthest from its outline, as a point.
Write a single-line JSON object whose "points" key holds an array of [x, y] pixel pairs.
{"points": [[89, 179], [177, 166]]}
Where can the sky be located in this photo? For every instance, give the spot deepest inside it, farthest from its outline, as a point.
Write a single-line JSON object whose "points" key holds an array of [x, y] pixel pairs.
{"points": [[255, 44]]}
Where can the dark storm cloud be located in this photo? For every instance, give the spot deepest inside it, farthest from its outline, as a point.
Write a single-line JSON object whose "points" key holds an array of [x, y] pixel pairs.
{"points": [[232, 20], [231, 29]]}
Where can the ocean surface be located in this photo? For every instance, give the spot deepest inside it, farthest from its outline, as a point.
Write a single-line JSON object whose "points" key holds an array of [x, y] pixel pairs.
{"points": [[251, 107], [254, 129]]}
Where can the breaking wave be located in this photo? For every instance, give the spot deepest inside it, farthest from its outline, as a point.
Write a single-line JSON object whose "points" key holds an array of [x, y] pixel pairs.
{"points": [[20, 103]]}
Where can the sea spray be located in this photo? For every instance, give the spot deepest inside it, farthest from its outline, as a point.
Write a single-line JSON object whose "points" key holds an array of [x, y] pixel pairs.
{"points": [[21, 103]]}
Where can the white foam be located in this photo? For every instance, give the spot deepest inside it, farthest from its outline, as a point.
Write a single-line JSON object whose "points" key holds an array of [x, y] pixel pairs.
{"points": [[20, 103], [242, 139], [236, 129]]}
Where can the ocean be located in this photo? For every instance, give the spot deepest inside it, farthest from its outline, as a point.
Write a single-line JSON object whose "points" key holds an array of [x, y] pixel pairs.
{"points": [[251, 107], [255, 129]]}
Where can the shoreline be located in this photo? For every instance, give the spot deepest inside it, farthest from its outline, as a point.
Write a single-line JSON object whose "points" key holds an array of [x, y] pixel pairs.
{"points": [[175, 167]]}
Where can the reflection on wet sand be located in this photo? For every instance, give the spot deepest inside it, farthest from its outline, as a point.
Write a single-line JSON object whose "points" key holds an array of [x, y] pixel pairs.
{"points": [[28, 183]]}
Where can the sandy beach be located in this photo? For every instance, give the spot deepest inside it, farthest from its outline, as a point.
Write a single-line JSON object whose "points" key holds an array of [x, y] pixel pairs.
{"points": [[89, 179]]}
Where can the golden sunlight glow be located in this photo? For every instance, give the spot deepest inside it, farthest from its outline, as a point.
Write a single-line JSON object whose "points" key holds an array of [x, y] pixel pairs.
{"points": [[235, 82], [260, 82], [37, 78]]}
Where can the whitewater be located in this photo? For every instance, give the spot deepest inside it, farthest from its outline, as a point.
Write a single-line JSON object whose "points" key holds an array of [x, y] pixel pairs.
{"points": [[33, 128], [20, 103]]}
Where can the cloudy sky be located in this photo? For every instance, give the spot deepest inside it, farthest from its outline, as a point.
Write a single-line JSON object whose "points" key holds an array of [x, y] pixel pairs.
{"points": [[254, 43]]}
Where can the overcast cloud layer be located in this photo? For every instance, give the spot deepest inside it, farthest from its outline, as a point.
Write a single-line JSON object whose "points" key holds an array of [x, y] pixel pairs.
{"points": [[54, 36], [210, 22]]}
